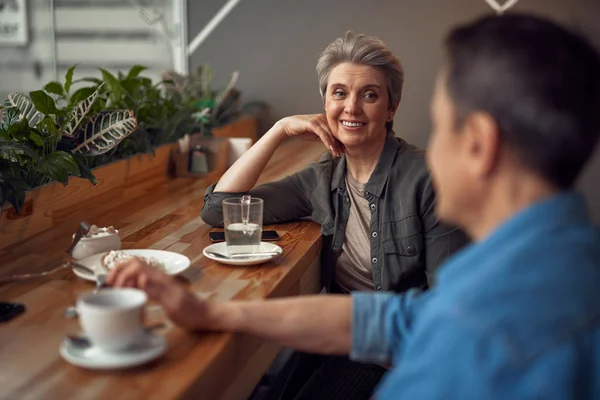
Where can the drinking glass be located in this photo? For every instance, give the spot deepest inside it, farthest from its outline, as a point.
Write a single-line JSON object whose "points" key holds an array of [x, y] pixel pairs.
{"points": [[242, 219]]}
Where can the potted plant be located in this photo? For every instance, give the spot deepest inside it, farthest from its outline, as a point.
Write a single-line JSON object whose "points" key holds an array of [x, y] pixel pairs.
{"points": [[92, 131], [220, 111], [44, 140], [214, 108], [162, 117]]}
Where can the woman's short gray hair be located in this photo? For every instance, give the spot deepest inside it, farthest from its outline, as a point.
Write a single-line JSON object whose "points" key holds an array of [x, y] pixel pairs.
{"points": [[362, 50]]}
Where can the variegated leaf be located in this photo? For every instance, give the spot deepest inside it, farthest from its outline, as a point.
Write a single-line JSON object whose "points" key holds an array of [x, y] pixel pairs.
{"points": [[79, 113], [25, 107], [104, 130]]}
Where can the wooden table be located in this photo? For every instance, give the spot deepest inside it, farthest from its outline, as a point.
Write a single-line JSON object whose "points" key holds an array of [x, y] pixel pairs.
{"points": [[199, 366]]}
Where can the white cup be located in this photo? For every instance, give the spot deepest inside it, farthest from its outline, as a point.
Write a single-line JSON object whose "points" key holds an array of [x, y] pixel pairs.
{"points": [[88, 246], [112, 318]]}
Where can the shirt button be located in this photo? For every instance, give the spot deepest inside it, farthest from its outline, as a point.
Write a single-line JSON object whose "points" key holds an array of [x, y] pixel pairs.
{"points": [[378, 287], [374, 260], [372, 206], [374, 234], [410, 250]]}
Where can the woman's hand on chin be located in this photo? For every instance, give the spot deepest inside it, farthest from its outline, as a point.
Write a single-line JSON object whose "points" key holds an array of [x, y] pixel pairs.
{"points": [[311, 127]]}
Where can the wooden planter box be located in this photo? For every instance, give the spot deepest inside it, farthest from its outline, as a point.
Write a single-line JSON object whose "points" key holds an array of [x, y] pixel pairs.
{"points": [[54, 204], [245, 127]]}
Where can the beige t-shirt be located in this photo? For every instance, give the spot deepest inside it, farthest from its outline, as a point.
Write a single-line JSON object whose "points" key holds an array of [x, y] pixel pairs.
{"points": [[353, 267]]}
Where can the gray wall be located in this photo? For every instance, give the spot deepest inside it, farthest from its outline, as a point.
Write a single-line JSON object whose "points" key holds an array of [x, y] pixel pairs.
{"points": [[275, 43]]}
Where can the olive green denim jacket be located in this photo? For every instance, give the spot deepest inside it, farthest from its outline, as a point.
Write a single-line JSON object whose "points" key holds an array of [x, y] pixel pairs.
{"points": [[407, 242]]}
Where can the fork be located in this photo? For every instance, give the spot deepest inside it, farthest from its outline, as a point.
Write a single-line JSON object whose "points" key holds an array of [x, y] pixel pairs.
{"points": [[100, 279], [71, 311], [243, 255]]}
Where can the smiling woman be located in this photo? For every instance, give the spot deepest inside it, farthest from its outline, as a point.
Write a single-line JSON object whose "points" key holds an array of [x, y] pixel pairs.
{"points": [[371, 194]]}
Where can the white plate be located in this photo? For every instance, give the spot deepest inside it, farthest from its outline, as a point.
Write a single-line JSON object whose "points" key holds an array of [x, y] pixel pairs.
{"points": [[174, 262], [150, 348], [222, 248]]}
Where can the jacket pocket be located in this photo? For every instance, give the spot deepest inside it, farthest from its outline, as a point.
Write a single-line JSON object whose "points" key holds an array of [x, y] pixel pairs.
{"points": [[404, 252], [409, 246], [404, 237]]}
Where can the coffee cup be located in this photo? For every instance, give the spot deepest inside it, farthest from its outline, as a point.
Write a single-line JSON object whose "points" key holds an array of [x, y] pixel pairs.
{"points": [[113, 318]]}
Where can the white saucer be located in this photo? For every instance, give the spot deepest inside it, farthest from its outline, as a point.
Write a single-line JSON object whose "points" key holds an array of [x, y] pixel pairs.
{"points": [[174, 263], [150, 348], [222, 248]]}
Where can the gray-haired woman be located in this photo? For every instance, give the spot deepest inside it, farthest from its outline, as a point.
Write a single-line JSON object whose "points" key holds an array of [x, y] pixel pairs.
{"points": [[371, 193]]}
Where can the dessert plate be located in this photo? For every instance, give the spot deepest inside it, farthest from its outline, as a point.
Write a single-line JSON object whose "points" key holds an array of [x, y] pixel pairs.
{"points": [[173, 263]]}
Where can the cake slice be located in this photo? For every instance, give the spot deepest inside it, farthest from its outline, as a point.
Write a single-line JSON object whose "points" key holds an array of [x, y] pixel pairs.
{"points": [[115, 257]]}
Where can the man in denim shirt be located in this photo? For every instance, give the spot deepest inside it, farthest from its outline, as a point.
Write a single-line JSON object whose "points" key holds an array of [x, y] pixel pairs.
{"points": [[516, 314]]}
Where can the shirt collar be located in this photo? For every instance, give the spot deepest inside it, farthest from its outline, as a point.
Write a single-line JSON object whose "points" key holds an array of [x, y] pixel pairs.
{"points": [[562, 209], [379, 176]]}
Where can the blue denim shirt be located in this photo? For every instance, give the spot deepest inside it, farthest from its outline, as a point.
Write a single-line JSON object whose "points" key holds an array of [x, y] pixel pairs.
{"points": [[514, 316]]}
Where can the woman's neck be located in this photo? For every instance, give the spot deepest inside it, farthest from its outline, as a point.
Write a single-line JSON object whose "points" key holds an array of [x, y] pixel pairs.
{"points": [[361, 162]]}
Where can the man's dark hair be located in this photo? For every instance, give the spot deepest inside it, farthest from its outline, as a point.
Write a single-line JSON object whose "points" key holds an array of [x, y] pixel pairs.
{"points": [[539, 81]]}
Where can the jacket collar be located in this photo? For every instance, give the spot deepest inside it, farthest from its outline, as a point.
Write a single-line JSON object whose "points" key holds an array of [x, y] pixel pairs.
{"points": [[379, 176]]}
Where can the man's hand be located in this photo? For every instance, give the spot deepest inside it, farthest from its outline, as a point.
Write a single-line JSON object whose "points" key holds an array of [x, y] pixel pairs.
{"points": [[181, 306], [318, 324]]}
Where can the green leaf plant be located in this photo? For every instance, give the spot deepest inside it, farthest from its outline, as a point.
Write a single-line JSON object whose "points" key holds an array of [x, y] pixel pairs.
{"points": [[69, 128], [45, 139]]}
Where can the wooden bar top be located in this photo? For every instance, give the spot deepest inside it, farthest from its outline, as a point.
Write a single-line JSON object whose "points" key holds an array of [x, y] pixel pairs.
{"points": [[164, 216]]}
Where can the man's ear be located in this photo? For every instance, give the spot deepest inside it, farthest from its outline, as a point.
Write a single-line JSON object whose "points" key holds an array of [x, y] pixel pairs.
{"points": [[482, 142]]}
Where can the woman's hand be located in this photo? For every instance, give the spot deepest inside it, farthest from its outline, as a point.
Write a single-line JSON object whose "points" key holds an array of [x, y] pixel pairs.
{"points": [[311, 127], [244, 173], [181, 306]]}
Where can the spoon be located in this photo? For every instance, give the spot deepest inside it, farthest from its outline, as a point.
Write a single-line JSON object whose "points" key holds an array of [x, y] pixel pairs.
{"points": [[242, 255], [82, 342], [71, 311], [81, 268], [83, 229]]}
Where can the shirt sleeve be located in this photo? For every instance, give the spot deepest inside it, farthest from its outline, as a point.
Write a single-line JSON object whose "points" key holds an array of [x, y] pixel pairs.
{"points": [[380, 322], [284, 200], [441, 240], [450, 357]]}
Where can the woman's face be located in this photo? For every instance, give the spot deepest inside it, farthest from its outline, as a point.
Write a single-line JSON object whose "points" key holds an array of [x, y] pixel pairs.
{"points": [[357, 104]]}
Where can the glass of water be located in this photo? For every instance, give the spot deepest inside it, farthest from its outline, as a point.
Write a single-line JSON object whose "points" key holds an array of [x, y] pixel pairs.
{"points": [[242, 218]]}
